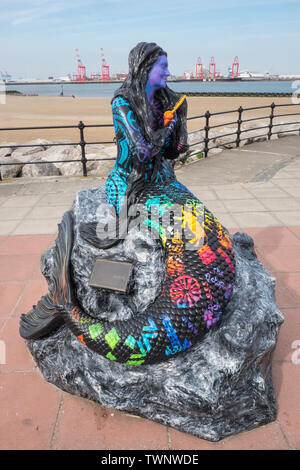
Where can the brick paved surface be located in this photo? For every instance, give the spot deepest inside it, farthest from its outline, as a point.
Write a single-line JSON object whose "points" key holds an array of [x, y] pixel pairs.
{"points": [[36, 415]]}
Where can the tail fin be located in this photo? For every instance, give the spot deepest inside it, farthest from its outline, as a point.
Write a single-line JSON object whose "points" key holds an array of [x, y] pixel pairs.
{"points": [[47, 315]]}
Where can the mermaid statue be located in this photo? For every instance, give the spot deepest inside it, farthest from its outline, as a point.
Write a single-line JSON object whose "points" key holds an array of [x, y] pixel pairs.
{"points": [[189, 342], [143, 194]]}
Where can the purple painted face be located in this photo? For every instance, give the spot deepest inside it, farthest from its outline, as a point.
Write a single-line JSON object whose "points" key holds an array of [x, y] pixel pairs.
{"points": [[158, 74]]}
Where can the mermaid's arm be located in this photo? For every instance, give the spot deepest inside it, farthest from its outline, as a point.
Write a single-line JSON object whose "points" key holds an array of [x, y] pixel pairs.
{"points": [[125, 121], [177, 143]]}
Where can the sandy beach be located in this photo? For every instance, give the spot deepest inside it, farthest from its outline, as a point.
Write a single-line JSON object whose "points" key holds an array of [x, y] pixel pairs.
{"points": [[26, 111]]}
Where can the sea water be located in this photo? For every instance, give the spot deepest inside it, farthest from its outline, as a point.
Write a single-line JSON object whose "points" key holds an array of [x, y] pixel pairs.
{"points": [[100, 90]]}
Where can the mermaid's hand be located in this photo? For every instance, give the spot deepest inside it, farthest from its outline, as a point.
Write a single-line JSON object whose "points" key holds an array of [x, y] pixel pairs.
{"points": [[173, 121], [182, 148]]}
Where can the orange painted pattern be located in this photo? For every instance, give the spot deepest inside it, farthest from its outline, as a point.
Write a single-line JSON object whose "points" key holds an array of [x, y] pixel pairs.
{"points": [[81, 339], [174, 263]]}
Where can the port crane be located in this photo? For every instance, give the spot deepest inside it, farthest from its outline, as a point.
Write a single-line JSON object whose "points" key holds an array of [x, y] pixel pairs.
{"points": [[199, 68], [81, 70], [235, 67], [212, 65], [104, 75], [104, 68]]}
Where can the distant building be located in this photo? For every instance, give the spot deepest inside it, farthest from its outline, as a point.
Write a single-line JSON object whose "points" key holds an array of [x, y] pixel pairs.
{"points": [[289, 77], [188, 75], [247, 74], [5, 76], [64, 79]]}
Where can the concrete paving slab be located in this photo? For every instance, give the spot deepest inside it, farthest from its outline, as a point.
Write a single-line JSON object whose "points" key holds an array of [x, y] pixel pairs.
{"points": [[203, 195], [47, 212], [293, 192], [25, 244], [295, 230], [40, 188], [288, 218], [233, 193], [57, 199], [256, 219], [8, 226], [269, 193], [34, 227], [215, 206], [7, 190], [20, 201], [283, 173], [294, 165], [114, 429], [260, 184], [285, 146], [260, 160], [243, 205], [227, 220], [287, 383], [277, 236], [288, 182], [294, 172], [284, 204], [13, 213], [24, 424]]}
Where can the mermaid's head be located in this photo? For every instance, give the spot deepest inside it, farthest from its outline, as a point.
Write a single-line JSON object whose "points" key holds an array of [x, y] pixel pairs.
{"points": [[141, 60]]}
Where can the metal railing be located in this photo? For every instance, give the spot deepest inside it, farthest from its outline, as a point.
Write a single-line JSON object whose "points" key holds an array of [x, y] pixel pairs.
{"points": [[270, 130], [270, 127]]}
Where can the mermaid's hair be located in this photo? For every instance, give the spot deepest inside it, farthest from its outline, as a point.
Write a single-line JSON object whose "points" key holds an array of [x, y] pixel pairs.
{"points": [[141, 59]]}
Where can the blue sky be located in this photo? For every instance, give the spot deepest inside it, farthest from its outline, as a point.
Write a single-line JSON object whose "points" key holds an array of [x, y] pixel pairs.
{"points": [[39, 37]]}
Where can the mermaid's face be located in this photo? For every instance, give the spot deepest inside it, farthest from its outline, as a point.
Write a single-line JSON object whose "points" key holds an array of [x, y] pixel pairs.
{"points": [[159, 73]]}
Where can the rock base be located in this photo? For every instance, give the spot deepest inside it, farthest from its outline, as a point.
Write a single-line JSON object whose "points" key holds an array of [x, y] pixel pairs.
{"points": [[222, 386]]}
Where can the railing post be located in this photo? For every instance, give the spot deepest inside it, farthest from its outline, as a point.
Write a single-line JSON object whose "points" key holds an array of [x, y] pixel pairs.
{"points": [[239, 122], [271, 120], [206, 128], [82, 145]]}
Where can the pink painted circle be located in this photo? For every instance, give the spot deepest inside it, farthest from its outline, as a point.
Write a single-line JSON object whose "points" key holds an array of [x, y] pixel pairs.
{"points": [[185, 291]]}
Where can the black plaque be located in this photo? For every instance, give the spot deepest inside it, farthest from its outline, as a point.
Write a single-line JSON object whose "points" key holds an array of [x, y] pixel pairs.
{"points": [[112, 275]]}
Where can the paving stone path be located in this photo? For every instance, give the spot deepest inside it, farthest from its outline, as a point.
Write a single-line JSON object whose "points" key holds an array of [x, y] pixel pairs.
{"points": [[255, 189]]}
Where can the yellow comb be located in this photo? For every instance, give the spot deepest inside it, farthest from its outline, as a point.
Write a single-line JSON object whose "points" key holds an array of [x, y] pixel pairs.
{"points": [[168, 115], [179, 103]]}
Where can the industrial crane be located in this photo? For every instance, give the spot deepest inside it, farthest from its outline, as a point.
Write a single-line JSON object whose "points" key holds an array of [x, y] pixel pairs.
{"points": [[199, 68], [235, 67], [81, 70], [213, 65], [105, 67]]}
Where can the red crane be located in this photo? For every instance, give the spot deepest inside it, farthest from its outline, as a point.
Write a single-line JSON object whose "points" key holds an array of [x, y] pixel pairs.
{"points": [[105, 67], [212, 64], [81, 71], [199, 68], [235, 67]]}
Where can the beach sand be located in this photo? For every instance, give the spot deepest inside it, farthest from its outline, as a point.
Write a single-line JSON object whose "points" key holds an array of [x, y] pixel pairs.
{"points": [[27, 111]]}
